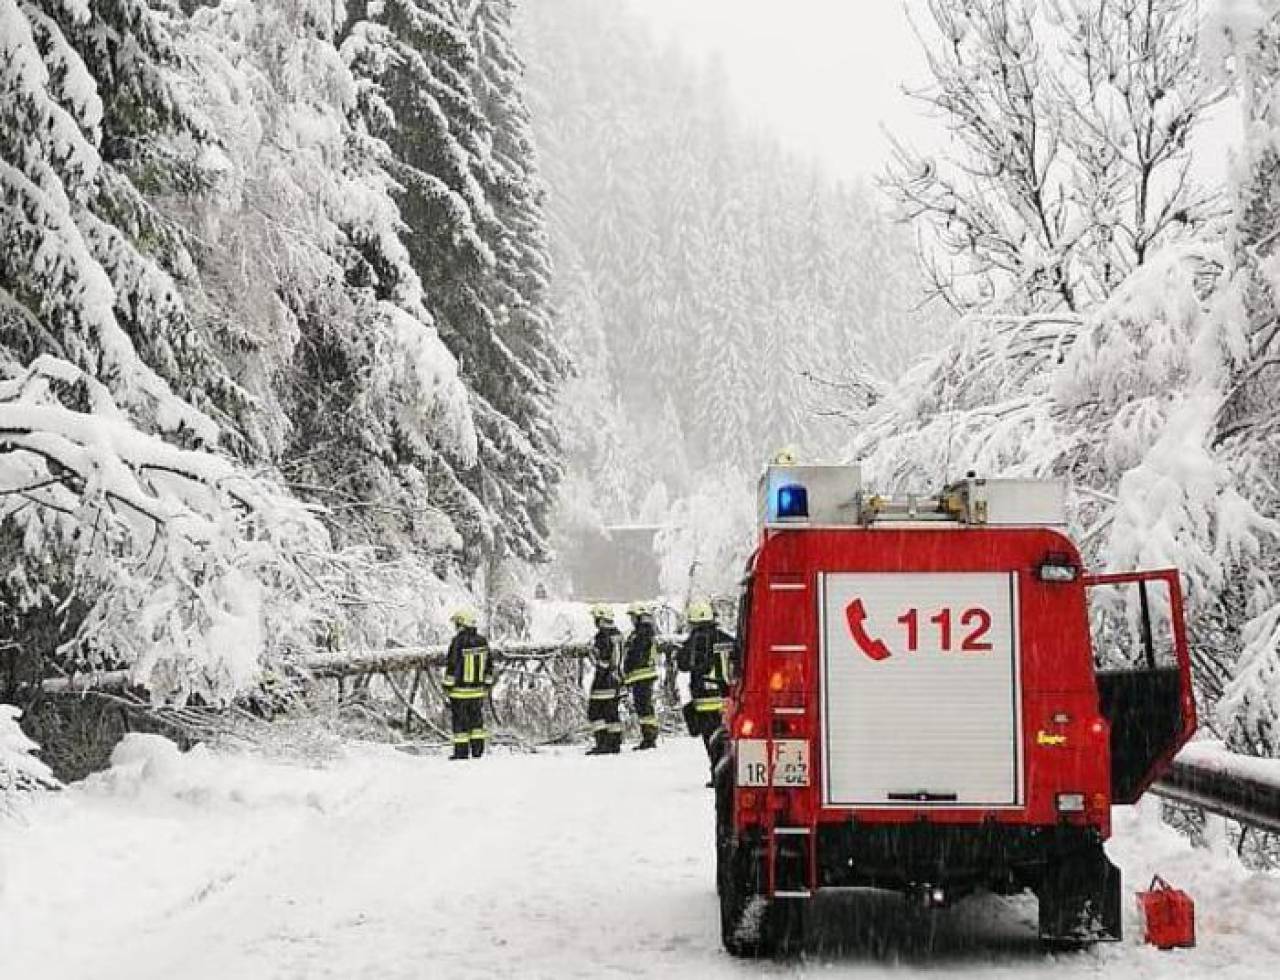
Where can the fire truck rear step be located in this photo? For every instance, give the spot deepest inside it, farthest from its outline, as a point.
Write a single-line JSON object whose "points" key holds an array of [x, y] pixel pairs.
{"points": [[792, 872]]}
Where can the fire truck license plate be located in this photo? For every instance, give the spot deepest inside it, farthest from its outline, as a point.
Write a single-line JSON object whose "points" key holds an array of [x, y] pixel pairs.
{"points": [[790, 762]]}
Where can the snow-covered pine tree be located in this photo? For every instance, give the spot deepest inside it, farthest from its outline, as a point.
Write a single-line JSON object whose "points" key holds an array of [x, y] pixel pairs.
{"points": [[373, 421], [120, 546], [515, 364], [51, 270], [151, 142], [445, 97]]}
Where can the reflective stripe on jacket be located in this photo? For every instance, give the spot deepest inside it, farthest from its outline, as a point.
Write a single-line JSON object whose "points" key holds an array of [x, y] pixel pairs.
{"points": [[707, 653], [468, 670], [641, 661]]}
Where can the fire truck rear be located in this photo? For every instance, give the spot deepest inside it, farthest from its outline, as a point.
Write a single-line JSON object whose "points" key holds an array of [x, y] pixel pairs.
{"points": [[917, 707]]}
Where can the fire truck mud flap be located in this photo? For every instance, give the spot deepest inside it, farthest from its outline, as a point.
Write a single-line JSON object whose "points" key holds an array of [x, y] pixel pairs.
{"points": [[1079, 897]]}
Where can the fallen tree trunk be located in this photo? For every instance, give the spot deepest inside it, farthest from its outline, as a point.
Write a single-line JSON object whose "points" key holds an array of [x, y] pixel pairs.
{"points": [[103, 680], [342, 663]]}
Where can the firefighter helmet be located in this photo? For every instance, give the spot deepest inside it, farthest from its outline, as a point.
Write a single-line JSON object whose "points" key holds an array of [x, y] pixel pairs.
{"points": [[602, 613], [700, 611], [638, 609], [463, 618]]}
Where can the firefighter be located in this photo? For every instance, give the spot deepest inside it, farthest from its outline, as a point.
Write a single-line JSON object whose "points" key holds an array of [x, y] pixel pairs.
{"points": [[468, 677], [640, 672], [706, 654], [606, 684]]}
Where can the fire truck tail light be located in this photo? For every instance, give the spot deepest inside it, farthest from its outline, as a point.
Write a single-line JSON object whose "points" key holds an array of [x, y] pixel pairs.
{"points": [[1070, 802], [746, 727], [786, 678]]}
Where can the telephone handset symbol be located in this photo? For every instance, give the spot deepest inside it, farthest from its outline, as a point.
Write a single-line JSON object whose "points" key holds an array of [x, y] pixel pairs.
{"points": [[856, 615]]}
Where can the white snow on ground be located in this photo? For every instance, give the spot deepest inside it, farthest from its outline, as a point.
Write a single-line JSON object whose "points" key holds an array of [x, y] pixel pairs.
{"points": [[385, 865]]}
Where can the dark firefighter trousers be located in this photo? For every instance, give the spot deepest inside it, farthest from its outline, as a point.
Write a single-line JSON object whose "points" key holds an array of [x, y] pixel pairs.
{"points": [[602, 713], [703, 717], [642, 704], [469, 734]]}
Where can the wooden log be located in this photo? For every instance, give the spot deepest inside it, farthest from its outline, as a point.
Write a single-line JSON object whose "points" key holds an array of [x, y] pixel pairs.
{"points": [[103, 680], [340, 664]]}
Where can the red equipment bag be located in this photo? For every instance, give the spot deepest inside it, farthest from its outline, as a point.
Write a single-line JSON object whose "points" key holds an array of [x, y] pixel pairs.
{"points": [[1169, 914]]}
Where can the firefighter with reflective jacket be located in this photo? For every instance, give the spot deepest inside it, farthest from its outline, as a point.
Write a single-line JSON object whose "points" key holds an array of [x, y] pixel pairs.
{"points": [[468, 677], [707, 655], [606, 684], [640, 672]]}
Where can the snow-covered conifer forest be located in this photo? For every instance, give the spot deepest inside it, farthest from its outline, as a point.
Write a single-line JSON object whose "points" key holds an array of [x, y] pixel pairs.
{"points": [[322, 319], [278, 355]]}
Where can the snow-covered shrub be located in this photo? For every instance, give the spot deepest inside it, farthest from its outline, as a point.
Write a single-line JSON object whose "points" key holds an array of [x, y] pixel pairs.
{"points": [[20, 771], [186, 562]]}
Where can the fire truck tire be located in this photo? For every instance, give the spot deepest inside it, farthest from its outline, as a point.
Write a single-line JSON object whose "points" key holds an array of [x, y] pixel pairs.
{"points": [[1079, 898], [751, 925]]}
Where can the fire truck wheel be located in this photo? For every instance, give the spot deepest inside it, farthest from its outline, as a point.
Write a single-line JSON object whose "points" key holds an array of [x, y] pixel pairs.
{"points": [[751, 925]]}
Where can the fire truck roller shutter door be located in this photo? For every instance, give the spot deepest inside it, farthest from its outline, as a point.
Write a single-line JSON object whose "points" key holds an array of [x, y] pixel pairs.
{"points": [[921, 689]]}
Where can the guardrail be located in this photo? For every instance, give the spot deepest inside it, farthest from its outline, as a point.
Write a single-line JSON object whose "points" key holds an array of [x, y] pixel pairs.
{"points": [[1206, 783]]}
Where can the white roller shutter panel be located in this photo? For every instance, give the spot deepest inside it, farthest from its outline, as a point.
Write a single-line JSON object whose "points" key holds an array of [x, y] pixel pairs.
{"points": [[935, 726]]}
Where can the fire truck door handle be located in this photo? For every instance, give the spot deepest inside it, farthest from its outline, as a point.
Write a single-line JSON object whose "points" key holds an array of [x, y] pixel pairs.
{"points": [[922, 796]]}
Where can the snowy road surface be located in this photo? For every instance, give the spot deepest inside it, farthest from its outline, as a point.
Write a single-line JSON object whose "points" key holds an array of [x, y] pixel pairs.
{"points": [[385, 865]]}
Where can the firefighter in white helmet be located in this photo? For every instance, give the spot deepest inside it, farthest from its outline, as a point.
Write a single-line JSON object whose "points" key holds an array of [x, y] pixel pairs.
{"points": [[640, 672], [707, 654], [468, 677], [606, 684]]}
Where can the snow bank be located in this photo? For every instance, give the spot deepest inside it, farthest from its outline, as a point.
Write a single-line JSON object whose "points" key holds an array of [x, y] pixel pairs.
{"points": [[20, 771], [151, 768], [151, 841], [1235, 907]]}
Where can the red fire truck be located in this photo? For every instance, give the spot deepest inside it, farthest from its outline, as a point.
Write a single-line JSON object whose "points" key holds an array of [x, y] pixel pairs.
{"points": [[917, 707]]}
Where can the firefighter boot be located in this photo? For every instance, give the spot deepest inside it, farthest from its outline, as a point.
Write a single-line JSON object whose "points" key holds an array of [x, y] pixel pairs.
{"points": [[613, 743], [477, 747], [648, 738], [598, 748], [460, 751]]}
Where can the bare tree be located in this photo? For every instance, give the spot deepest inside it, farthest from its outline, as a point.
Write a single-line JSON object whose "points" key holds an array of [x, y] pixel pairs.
{"points": [[1071, 125], [1132, 91]]}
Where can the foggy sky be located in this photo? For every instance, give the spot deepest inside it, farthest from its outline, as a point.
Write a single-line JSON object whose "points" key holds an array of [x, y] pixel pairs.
{"points": [[824, 75]]}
